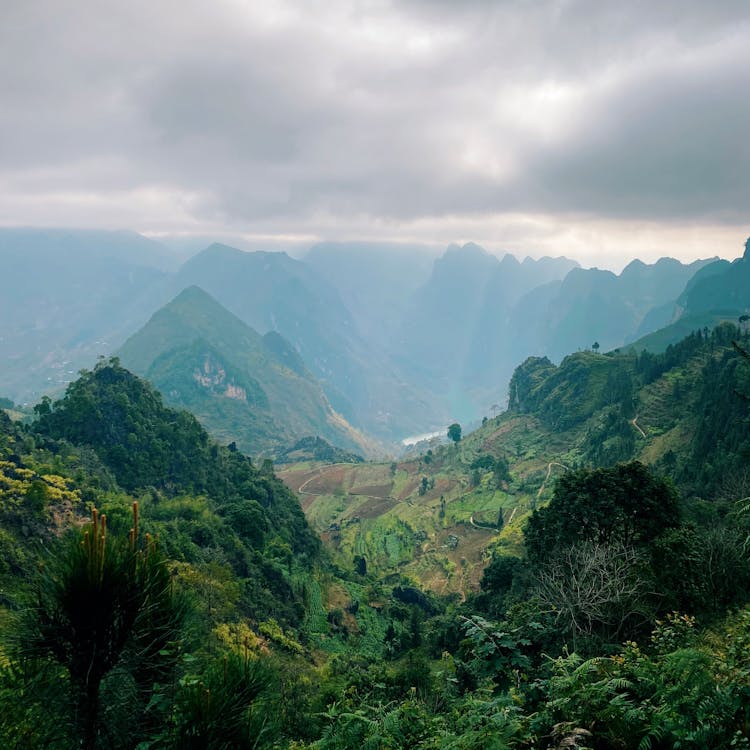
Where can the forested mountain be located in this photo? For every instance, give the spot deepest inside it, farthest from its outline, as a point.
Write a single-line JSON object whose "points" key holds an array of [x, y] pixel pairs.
{"points": [[435, 514], [148, 446], [478, 316], [683, 410], [111, 621], [718, 292], [725, 287], [586, 546], [590, 305], [401, 342], [245, 388]]}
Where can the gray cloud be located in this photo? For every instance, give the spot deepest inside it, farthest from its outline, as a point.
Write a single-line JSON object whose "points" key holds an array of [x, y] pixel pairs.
{"points": [[296, 117]]}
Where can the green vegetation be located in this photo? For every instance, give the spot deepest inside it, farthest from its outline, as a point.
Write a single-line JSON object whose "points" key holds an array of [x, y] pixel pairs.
{"points": [[245, 388], [317, 449], [454, 432], [572, 574]]}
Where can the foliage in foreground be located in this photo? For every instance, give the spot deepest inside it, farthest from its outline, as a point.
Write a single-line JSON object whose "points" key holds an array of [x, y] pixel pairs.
{"points": [[122, 643]]}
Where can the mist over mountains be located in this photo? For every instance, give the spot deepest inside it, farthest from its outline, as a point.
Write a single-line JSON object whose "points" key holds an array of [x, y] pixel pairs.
{"points": [[351, 340]]}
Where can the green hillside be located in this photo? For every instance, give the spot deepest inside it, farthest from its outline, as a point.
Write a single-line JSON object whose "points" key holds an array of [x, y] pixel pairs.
{"points": [[439, 516], [245, 388], [221, 571], [719, 291], [584, 606]]}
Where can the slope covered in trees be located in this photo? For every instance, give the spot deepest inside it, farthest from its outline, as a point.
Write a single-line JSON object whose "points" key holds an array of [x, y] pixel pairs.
{"points": [[400, 342], [437, 514], [149, 446], [218, 622]]}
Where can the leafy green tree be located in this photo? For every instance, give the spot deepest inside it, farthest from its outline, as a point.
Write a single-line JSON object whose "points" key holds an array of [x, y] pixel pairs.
{"points": [[493, 652], [501, 471], [624, 504], [454, 432]]}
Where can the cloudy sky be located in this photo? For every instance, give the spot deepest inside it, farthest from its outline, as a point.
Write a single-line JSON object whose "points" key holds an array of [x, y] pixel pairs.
{"points": [[600, 130]]}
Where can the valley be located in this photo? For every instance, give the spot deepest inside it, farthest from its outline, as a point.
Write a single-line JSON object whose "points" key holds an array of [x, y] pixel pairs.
{"points": [[351, 585], [374, 375]]}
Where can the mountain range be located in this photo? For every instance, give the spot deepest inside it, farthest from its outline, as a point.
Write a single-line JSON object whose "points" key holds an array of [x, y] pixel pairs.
{"points": [[379, 341]]}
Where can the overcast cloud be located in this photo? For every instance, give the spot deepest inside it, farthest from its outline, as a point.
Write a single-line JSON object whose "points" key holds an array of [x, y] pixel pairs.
{"points": [[591, 128]]}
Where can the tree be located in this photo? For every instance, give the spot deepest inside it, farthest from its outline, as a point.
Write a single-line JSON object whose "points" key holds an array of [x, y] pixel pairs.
{"points": [[501, 470], [454, 432], [595, 346], [595, 590], [104, 609], [623, 504]]}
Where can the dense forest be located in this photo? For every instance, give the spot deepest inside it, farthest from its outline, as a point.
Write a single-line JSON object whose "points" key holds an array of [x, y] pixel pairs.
{"points": [[158, 590]]}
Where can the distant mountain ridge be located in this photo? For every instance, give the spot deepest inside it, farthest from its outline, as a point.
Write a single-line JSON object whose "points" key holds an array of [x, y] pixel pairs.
{"points": [[68, 296], [401, 342], [273, 292], [591, 305], [453, 339], [719, 291], [375, 281]]}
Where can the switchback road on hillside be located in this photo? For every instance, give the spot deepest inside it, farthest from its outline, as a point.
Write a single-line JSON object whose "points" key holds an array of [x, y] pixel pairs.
{"points": [[322, 470], [549, 469]]}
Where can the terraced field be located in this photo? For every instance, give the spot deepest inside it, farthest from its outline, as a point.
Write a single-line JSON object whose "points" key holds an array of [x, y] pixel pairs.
{"points": [[435, 519], [421, 519]]}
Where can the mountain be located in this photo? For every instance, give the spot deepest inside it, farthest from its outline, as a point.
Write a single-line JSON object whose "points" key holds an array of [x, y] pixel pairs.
{"points": [[204, 605], [489, 357], [683, 410], [591, 305], [211, 505], [724, 288], [719, 291], [375, 281], [444, 310], [251, 389], [435, 515], [273, 292], [401, 343], [453, 339], [78, 245], [68, 296]]}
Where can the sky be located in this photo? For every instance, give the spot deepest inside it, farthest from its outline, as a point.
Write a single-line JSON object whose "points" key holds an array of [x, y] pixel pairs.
{"points": [[594, 129]]}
